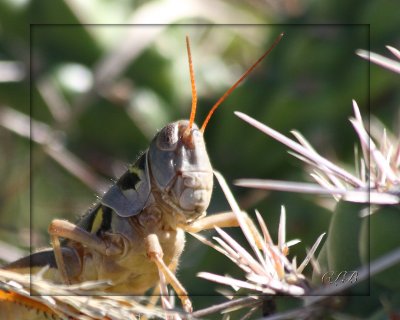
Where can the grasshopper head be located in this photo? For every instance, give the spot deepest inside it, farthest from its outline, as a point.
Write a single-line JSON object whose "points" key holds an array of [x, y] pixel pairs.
{"points": [[178, 160], [181, 169]]}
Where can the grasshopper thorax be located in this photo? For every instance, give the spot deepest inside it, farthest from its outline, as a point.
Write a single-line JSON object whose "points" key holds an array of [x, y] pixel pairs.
{"points": [[181, 169]]}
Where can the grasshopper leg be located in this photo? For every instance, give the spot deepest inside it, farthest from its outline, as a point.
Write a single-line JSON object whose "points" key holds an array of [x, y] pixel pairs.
{"points": [[223, 220], [55, 242], [64, 229], [155, 253], [155, 295]]}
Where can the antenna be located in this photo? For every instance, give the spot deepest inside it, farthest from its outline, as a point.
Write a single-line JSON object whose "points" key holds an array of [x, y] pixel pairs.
{"points": [[244, 75], [193, 83]]}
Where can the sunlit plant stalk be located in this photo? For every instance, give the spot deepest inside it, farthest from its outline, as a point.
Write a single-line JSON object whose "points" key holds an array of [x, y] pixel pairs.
{"points": [[377, 181], [267, 269], [378, 178]]}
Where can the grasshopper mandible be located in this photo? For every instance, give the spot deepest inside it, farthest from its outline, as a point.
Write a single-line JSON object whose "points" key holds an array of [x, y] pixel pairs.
{"points": [[135, 233]]}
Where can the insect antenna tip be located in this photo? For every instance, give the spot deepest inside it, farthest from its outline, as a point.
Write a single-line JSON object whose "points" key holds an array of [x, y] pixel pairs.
{"points": [[244, 75], [193, 85]]}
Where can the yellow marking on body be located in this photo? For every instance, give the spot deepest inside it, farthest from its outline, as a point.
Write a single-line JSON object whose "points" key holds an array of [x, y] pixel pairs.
{"points": [[97, 221], [135, 170], [139, 173]]}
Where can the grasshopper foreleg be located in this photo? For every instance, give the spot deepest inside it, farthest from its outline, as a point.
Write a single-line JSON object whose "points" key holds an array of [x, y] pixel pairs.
{"points": [[223, 220], [155, 253], [64, 229]]}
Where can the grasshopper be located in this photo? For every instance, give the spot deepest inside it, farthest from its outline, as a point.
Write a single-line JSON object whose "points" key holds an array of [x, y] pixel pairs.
{"points": [[135, 233]]}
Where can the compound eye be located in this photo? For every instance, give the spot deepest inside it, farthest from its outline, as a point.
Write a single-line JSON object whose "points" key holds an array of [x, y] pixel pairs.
{"points": [[168, 137]]}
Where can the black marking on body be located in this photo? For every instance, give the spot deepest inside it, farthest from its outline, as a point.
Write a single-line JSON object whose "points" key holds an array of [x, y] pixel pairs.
{"points": [[106, 221], [97, 219], [131, 177], [87, 220], [128, 180]]}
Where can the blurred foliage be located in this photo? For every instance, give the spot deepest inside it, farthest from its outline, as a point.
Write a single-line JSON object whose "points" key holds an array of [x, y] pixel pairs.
{"points": [[104, 90]]}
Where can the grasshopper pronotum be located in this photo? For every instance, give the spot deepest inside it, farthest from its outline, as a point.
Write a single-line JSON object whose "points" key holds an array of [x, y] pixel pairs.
{"points": [[135, 233]]}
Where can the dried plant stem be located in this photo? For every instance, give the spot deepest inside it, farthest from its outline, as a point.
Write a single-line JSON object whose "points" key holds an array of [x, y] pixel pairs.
{"points": [[241, 302]]}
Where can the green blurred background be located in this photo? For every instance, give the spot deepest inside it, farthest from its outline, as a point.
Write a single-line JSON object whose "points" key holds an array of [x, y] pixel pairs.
{"points": [[99, 92]]}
